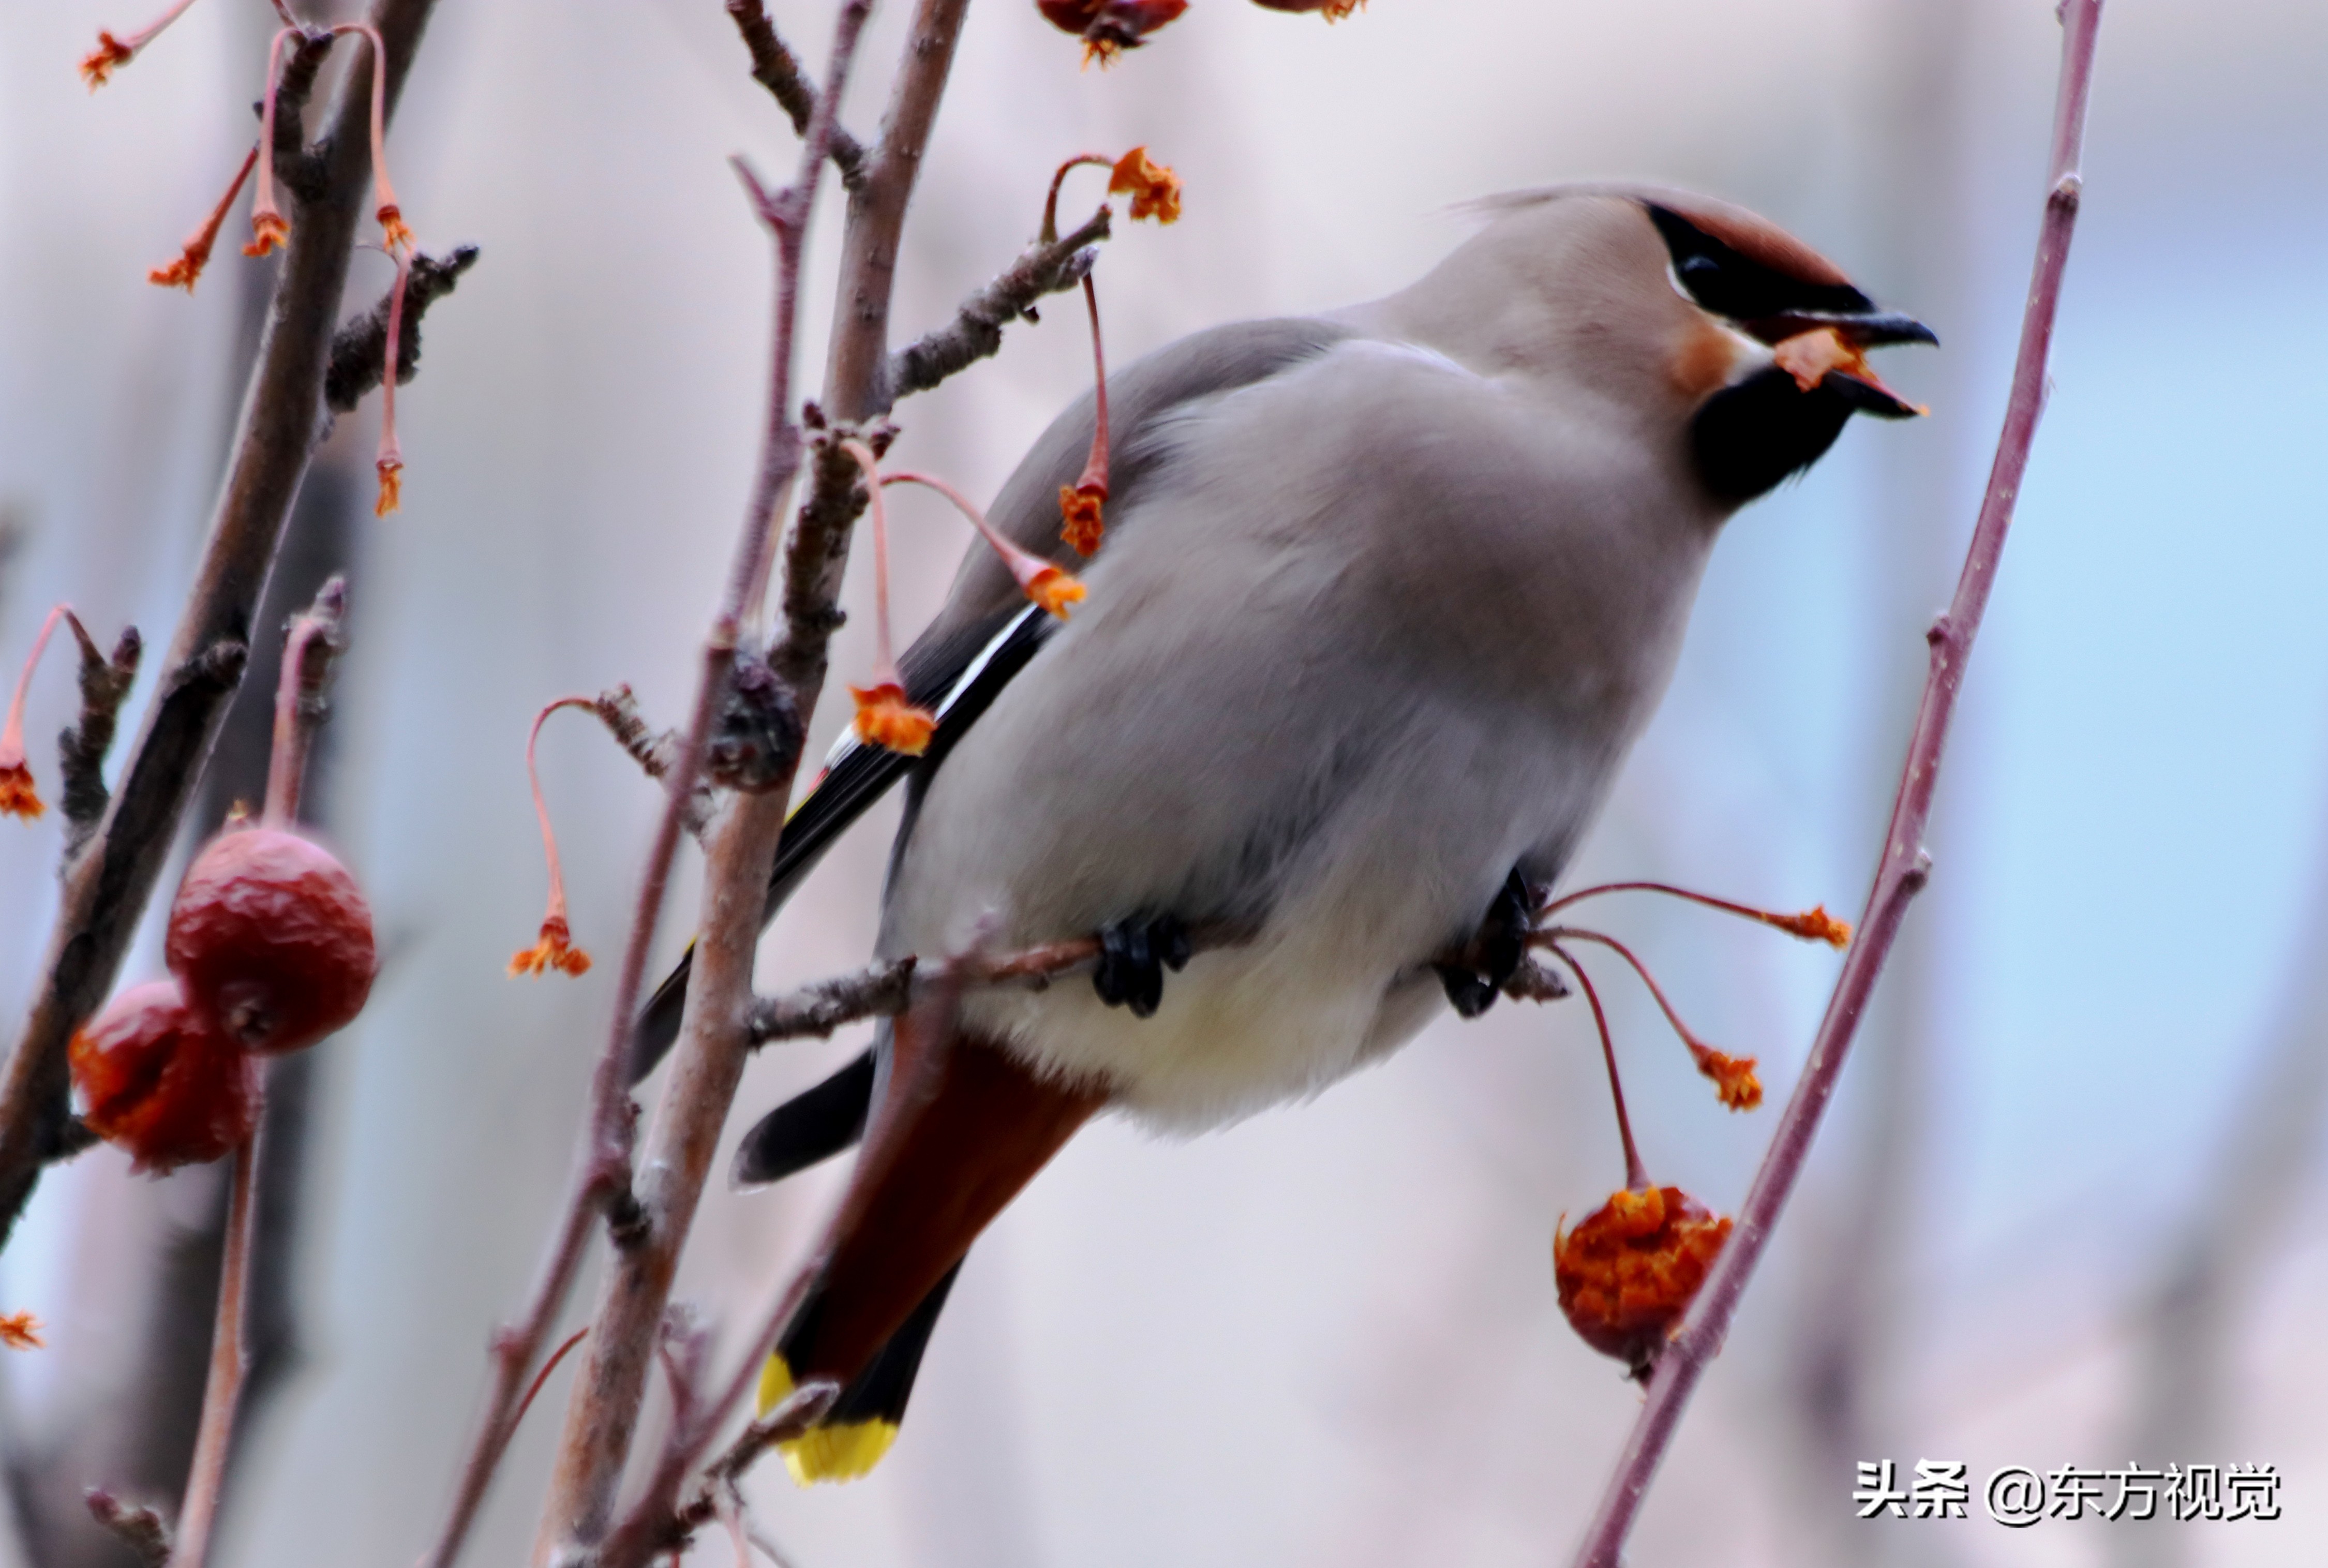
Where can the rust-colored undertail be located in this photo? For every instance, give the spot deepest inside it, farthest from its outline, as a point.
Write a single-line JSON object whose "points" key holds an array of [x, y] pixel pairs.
{"points": [[960, 1127]]}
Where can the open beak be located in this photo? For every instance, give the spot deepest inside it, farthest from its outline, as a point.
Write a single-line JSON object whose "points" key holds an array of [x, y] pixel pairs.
{"points": [[1819, 350], [1868, 329]]}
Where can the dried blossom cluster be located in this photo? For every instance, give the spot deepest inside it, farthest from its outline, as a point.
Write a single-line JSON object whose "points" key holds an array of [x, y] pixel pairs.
{"points": [[270, 226]]}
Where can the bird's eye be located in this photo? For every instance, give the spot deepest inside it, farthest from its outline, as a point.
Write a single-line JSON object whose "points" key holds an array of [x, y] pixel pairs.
{"points": [[1699, 268]]}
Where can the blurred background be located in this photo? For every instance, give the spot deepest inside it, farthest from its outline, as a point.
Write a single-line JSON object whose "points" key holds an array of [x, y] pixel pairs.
{"points": [[2070, 1209]]}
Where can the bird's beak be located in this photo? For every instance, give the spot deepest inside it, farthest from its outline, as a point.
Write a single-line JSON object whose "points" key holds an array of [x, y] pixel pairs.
{"points": [[1831, 351]]}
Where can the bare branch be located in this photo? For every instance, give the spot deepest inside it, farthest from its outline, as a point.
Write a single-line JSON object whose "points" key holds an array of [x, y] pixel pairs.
{"points": [[1904, 866], [229, 1359], [139, 1528], [81, 747], [107, 888], [879, 991], [708, 1062], [976, 332], [618, 709], [739, 851], [360, 348], [777, 69]]}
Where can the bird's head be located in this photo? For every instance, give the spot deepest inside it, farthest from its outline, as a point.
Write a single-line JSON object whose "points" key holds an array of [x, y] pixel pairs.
{"points": [[1711, 326]]}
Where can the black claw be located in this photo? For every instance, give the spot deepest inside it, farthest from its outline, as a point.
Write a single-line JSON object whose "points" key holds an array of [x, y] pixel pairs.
{"points": [[1133, 956], [1493, 954]]}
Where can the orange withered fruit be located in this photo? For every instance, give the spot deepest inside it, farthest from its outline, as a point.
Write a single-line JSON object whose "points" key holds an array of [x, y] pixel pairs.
{"points": [[1629, 1269]]}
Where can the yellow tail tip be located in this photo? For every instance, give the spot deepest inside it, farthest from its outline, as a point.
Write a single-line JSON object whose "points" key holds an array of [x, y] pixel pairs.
{"points": [[842, 1452]]}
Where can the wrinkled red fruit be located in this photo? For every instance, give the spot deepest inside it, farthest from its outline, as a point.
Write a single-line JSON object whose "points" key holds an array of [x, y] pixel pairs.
{"points": [[1120, 24], [161, 1081], [1627, 1272], [272, 938]]}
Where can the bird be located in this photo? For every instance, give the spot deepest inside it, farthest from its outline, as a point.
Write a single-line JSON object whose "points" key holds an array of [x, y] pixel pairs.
{"points": [[1384, 597]]}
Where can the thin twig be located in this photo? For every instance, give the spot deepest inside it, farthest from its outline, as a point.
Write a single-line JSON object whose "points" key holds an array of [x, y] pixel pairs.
{"points": [[108, 889], [136, 1527], [230, 1358], [1904, 866], [777, 69], [309, 651], [618, 709], [360, 348], [709, 1059], [890, 987], [976, 331], [105, 682], [739, 851]]}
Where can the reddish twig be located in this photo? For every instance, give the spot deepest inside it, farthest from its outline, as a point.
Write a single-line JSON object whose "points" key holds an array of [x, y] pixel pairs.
{"points": [[1637, 1175], [1904, 866], [230, 1358], [309, 650], [738, 852], [533, 1389]]}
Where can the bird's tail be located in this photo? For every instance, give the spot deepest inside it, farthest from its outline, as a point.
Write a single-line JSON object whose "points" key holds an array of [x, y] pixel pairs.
{"points": [[957, 1129]]}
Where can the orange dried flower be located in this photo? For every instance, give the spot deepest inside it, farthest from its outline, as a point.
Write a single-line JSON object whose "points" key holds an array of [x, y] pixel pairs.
{"points": [[183, 272], [886, 717], [1332, 9], [1053, 589], [393, 232], [18, 798], [21, 1331], [1153, 187], [269, 230], [97, 66], [391, 481], [1628, 1270], [1734, 1078], [555, 950], [1079, 512], [1816, 925]]}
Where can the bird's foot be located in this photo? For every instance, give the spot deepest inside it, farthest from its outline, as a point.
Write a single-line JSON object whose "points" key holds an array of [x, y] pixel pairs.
{"points": [[1494, 950], [1133, 956]]}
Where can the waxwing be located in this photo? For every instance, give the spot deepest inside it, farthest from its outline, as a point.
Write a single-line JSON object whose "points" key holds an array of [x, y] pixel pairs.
{"points": [[1384, 597]]}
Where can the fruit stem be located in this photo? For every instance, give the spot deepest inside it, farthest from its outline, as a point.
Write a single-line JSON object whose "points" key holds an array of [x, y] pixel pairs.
{"points": [[307, 650], [229, 1359], [885, 662], [1698, 1047], [1051, 203], [1813, 926], [1095, 474], [1037, 578], [1637, 1175]]}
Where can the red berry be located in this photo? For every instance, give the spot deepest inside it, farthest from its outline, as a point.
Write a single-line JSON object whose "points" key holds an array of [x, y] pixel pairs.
{"points": [[1627, 1272], [161, 1081], [1108, 25], [272, 938]]}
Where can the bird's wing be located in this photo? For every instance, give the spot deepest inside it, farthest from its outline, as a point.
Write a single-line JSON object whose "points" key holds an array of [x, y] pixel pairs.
{"points": [[987, 630]]}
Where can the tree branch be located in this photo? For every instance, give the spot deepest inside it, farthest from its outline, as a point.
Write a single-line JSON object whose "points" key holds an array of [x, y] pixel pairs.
{"points": [[708, 1060], [107, 890], [360, 348], [611, 1383], [976, 332], [1904, 866], [777, 69], [81, 747]]}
